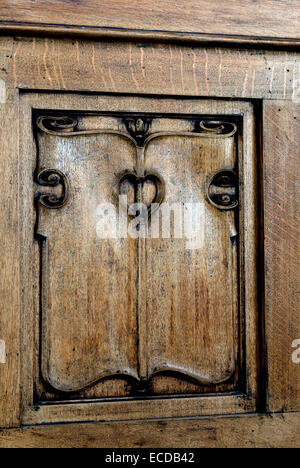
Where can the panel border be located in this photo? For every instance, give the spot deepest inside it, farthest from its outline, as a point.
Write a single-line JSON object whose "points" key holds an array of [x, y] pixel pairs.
{"points": [[153, 407]]}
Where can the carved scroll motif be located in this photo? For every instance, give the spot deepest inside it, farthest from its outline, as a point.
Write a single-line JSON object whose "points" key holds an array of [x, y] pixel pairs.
{"points": [[52, 178], [138, 129]]}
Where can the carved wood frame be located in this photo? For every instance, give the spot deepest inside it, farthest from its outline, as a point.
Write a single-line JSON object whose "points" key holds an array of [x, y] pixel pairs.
{"points": [[229, 79], [152, 407]]}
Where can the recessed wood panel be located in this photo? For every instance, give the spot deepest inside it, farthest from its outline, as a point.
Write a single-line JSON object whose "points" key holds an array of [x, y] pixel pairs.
{"points": [[165, 345], [116, 306], [191, 284], [88, 284]]}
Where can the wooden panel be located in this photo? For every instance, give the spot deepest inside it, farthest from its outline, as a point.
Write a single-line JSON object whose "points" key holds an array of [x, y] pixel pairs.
{"points": [[159, 69], [278, 431], [107, 110], [281, 179], [90, 282], [262, 18], [191, 283], [9, 252]]}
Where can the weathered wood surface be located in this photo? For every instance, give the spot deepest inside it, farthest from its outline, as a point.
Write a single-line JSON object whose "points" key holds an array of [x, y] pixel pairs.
{"points": [[282, 238], [251, 431], [220, 154], [160, 69], [191, 285], [262, 18], [89, 283], [188, 284], [9, 252], [141, 68]]}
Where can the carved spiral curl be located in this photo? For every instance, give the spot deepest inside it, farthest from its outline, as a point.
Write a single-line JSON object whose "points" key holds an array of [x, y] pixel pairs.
{"points": [[222, 189], [217, 127], [57, 124], [53, 178]]}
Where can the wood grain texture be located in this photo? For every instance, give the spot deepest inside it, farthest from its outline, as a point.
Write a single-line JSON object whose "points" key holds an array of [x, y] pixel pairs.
{"points": [[282, 239], [9, 250], [138, 409], [89, 282], [262, 18], [89, 285], [76, 410], [191, 284], [251, 431], [158, 69]]}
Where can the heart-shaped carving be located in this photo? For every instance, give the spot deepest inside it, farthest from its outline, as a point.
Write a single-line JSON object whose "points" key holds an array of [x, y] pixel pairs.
{"points": [[151, 186]]}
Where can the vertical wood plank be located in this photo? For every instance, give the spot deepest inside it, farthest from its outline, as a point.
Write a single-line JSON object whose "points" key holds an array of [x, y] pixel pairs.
{"points": [[282, 279], [9, 247]]}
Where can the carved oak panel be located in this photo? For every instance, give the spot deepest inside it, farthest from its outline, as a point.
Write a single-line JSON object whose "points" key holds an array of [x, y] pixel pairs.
{"points": [[139, 266], [156, 309]]}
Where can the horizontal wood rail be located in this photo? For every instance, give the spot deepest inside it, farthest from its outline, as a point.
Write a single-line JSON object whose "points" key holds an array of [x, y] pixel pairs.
{"points": [[259, 431], [94, 32]]}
